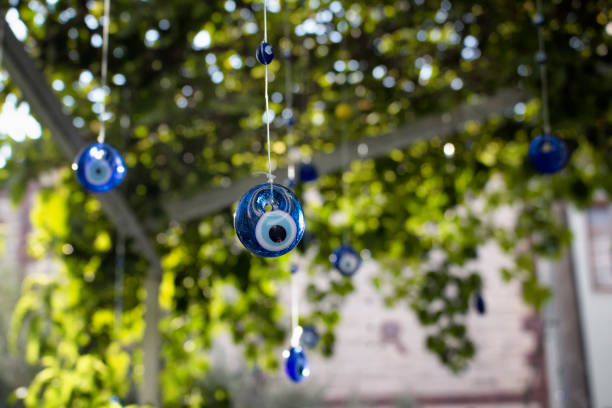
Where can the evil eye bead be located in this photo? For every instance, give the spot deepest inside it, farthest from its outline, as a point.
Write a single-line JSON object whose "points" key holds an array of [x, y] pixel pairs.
{"points": [[99, 168], [479, 303], [296, 366], [538, 19], [548, 154], [269, 220], [346, 260], [310, 337], [265, 53], [308, 173], [540, 57]]}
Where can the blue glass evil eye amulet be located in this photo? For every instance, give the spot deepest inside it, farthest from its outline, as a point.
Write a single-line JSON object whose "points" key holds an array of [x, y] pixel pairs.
{"points": [[346, 260], [269, 220], [296, 366], [265, 53], [548, 154], [99, 168]]}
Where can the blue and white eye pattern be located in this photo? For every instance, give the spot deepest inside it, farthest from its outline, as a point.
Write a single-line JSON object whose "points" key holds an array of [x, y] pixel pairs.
{"points": [[265, 53], [346, 260], [269, 220], [275, 230], [99, 168], [296, 366]]}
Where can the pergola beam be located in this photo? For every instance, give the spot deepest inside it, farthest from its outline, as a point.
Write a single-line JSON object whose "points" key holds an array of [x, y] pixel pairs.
{"points": [[437, 125], [48, 110]]}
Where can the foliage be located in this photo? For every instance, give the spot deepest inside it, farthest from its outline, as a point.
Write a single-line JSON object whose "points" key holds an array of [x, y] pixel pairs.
{"points": [[189, 118]]}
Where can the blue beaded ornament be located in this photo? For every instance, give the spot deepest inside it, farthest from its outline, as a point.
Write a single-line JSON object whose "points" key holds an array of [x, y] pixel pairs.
{"points": [[269, 220], [346, 260], [296, 366], [479, 303], [548, 154], [99, 168], [265, 53], [307, 173], [310, 337]]}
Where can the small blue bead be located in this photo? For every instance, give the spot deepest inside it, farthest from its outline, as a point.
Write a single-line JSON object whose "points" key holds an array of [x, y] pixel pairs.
{"points": [[296, 366], [99, 168], [265, 53], [308, 173], [538, 19], [269, 220], [310, 337], [548, 154], [540, 57], [294, 268], [346, 260], [479, 303]]}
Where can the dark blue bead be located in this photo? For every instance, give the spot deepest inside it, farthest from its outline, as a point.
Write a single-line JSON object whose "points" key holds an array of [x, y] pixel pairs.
{"points": [[540, 57], [538, 19], [346, 260], [307, 173], [548, 154], [310, 337], [296, 366], [265, 53], [99, 168], [290, 121], [294, 268], [269, 220], [479, 303]]}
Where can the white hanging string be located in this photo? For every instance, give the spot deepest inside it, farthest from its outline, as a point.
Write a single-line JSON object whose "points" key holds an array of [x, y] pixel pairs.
{"points": [[270, 175], [104, 69], [119, 282], [345, 168], [296, 329], [2, 24], [543, 72]]}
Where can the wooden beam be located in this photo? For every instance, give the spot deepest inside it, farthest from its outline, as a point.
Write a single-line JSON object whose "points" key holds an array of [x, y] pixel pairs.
{"points": [[437, 125], [48, 110]]}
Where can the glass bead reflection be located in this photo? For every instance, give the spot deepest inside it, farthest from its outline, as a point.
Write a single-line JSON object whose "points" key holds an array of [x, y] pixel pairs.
{"points": [[99, 168], [269, 220], [548, 154]]}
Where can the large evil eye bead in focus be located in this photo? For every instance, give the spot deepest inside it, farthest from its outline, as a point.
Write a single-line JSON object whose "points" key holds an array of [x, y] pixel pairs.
{"points": [[346, 260], [548, 154], [265, 53], [269, 220], [296, 366], [99, 168]]}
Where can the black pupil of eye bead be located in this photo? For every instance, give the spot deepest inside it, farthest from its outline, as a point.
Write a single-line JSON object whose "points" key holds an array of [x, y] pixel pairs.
{"points": [[277, 233]]}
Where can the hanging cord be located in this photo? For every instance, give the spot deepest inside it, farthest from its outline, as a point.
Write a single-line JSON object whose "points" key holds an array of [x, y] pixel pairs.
{"points": [[296, 329], [343, 171], [270, 175], [543, 71], [119, 282], [104, 69], [2, 24]]}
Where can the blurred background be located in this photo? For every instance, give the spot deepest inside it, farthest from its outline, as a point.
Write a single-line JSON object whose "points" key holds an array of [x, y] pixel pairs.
{"points": [[408, 125]]}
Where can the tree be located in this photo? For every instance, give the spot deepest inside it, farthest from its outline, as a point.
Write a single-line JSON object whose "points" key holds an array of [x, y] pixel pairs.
{"points": [[188, 115]]}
